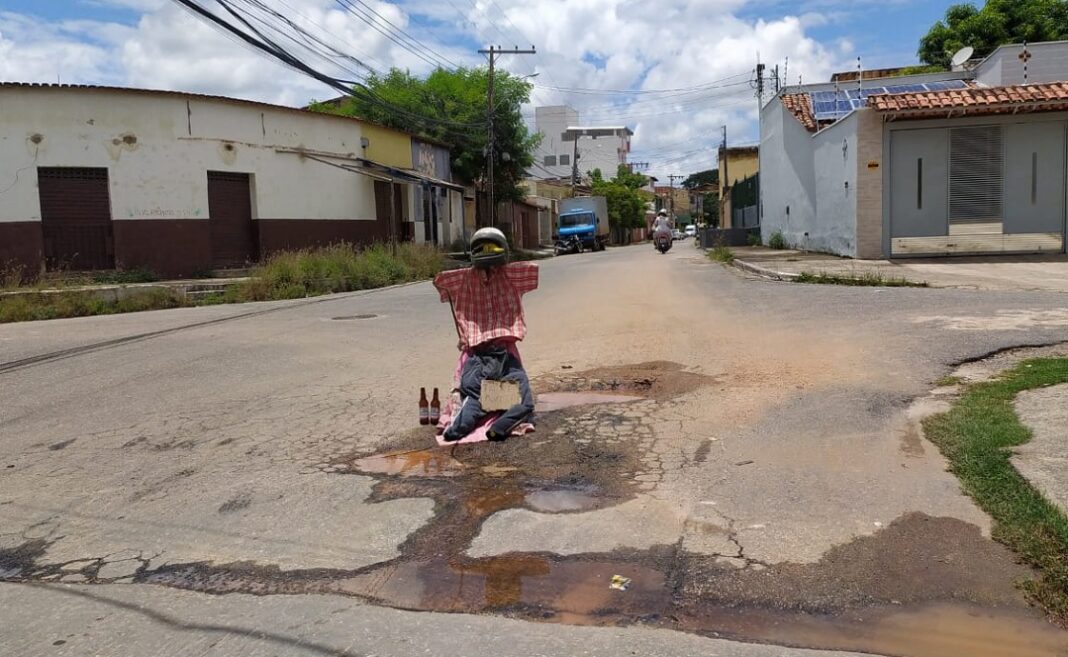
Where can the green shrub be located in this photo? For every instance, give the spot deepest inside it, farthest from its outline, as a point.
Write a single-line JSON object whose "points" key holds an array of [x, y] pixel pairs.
{"points": [[753, 239], [778, 241]]}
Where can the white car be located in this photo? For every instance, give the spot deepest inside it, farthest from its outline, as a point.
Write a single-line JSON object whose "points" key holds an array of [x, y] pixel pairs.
{"points": [[691, 231], [676, 234]]}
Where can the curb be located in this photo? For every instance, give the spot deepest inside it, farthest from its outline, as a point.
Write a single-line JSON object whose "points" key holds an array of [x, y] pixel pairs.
{"points": [[764, 271]]}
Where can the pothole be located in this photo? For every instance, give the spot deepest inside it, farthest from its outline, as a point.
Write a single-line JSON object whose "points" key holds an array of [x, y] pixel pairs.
{"points": [[654, 380]]}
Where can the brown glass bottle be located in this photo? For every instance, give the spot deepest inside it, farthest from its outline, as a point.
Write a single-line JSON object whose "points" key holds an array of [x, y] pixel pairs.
{"points": [[424, 407], [435, 408]]}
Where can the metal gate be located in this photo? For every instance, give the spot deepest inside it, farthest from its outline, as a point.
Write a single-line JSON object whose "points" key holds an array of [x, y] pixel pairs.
{"points": [[233, 242], [76, 218]]}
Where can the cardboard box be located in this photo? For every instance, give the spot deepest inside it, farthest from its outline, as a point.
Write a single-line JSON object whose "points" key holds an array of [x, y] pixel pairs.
{"points": [[500, 395]]}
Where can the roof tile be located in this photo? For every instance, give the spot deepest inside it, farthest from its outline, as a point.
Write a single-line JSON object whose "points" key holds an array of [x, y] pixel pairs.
{"points": [[801, 108], [983, 100]]}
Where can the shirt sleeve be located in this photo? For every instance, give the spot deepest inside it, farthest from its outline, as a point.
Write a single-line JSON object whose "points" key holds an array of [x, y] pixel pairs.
{"points": [[448, 282], [523, 275]]}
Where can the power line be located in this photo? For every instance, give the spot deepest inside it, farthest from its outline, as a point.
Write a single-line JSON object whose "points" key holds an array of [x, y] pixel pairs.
{"points": [[399, 37], [256, 39]]}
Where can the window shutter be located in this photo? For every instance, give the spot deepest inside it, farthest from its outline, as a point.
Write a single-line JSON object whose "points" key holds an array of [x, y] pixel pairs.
{"points": [[975, 175]]}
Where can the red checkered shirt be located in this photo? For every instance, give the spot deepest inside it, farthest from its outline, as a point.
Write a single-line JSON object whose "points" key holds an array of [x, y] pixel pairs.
{"points": [[488, 306]]}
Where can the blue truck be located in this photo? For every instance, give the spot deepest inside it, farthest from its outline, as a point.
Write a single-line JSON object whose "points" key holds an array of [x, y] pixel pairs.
{"points": [[585, 217]]}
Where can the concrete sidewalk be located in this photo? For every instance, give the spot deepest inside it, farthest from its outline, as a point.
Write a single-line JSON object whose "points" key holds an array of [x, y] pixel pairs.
{"points": [[1026, 272]]}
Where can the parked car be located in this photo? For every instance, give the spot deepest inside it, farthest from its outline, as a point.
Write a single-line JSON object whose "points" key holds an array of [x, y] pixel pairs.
{"points": [[691, 230], [676, 234]]}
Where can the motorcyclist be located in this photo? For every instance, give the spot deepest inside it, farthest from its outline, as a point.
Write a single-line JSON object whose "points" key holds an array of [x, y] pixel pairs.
{"points": [[662, 226]]}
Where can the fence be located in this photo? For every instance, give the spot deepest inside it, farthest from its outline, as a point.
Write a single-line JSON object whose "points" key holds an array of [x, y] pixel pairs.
{"points": [[744, 203], [711, 237]]}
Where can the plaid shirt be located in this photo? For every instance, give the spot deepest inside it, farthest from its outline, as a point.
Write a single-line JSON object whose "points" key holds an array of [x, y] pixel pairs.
{"points": [[487, 305]]}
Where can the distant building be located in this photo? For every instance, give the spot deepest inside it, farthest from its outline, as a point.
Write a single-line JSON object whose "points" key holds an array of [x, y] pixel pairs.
{"points": [[969, 161], [735, 165], [564, 137]]}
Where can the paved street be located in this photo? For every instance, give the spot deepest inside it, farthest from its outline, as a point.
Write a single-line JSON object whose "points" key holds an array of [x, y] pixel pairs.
{"points": [[196, 481]]}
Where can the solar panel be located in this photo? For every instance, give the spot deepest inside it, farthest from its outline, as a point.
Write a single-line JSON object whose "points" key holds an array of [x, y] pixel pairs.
{"points": [[830, 105]]}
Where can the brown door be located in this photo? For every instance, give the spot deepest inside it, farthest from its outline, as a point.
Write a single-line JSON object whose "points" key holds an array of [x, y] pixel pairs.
{"points": [[76, 218], [233, 240]]}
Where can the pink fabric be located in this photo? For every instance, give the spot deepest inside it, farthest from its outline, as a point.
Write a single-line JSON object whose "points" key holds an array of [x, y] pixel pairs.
{"points": [[478, 434]]}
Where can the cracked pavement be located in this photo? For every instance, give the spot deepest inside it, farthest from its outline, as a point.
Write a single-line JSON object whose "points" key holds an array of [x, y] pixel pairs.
{"points": [[218, 444]]}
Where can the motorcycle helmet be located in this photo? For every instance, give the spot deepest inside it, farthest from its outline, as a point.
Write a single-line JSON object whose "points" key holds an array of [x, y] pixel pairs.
{"points": [[662, 213], [489, 248]]}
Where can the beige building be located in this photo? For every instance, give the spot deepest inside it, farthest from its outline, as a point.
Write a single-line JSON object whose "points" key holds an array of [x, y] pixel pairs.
{"points": [[735, 164]]}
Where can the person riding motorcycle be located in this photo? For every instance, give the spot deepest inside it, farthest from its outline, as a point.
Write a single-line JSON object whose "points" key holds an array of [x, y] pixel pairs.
{"points": [[661, 226]]}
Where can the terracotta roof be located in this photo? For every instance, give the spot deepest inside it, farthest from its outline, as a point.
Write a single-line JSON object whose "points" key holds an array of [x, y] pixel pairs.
{"points": [[976, 100], [801, 108]]}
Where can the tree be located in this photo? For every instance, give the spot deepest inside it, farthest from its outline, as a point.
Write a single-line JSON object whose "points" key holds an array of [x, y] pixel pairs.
{"points": [[707, 177], [997, 23], [449, 106], [626, 202]]}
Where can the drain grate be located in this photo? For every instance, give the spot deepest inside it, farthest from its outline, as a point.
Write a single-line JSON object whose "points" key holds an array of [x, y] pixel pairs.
{"points": [[344, 318]]}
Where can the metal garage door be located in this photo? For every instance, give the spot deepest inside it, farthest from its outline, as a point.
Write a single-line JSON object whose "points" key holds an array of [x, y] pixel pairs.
{"points": [[76, 218], [1034, 186], [233, 242], [919, 175]]}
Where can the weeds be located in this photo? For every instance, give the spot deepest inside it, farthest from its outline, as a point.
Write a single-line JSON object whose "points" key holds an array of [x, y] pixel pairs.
{"points": [[55, 305], [777, 241], [867, 278], [721, 254], [285, 275], [977, 436], [753, 239]]}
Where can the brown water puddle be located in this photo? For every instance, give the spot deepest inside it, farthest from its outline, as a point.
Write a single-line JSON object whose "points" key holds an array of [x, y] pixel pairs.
{"points": [[430, 462]]}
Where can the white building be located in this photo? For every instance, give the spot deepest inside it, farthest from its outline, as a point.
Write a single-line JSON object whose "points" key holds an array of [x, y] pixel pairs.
{"points": [[963, 162], [563, 137], [177, 183]]}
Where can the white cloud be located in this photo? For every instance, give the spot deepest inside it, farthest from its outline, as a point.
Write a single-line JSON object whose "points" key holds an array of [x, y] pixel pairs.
{"points": [[589, 44]]}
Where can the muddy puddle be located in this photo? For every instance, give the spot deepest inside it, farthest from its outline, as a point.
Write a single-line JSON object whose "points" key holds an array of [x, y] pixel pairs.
{"points": [[920, 587]]}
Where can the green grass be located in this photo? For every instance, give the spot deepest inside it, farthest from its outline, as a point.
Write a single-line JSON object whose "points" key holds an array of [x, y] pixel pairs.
{"points": [[864, 279], [949, 381], [977, 436], [285, 275], [721, 254]]}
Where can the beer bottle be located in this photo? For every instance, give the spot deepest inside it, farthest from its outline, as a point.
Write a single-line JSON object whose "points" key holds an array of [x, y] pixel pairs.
{"points": [[435, 408], [424, 407]]}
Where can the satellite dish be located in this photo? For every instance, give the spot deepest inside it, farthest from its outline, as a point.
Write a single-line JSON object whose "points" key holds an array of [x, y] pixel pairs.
{"points": [[962, 55]]}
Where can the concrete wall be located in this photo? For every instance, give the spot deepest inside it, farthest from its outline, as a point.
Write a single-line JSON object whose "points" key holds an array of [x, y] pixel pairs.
{"points": [[604, 153], [788, 178], [387, 146], [551, 122], [1048, 63], [158, 148], [833, 229]]}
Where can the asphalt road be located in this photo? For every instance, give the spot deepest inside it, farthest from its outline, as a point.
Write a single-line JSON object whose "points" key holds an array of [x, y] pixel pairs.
{"points": [[770, 487]]}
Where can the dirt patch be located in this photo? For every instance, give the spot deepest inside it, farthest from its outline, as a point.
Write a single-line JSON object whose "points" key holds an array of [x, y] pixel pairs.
{"points": [[658, 380]]}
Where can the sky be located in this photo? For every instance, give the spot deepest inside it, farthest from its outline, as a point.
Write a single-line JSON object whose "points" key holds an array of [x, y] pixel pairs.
{"points": [[613, 60]]}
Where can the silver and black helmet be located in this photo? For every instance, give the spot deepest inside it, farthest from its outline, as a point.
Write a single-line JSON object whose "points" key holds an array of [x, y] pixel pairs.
{"points": [[489, 248]]}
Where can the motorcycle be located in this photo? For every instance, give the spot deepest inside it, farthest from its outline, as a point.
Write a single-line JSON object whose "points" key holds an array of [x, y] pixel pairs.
{"points": [[570, 244], [663, 242]]}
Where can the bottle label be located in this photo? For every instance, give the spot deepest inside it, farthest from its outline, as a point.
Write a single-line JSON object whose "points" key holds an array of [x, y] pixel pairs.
{"points": [[424, 413]]}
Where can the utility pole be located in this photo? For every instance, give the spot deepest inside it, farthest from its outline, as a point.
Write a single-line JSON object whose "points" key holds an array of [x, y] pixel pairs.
{"points": [[724, 182], [494, 53], [671, 183], [574, 166]]}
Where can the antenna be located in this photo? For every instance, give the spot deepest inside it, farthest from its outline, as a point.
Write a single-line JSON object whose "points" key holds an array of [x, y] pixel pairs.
{"points": [[961, 56]]}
